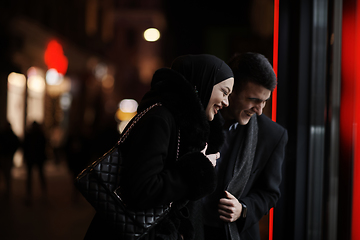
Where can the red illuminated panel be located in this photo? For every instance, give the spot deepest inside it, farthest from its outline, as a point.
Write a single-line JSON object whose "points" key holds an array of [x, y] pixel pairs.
{"points": [[275, 55], [350, 103], [274, 94], [54, 57], [355, 232]]}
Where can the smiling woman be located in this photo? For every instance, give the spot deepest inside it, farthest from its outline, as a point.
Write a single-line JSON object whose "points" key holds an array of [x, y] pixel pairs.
{"points": [[169, 155], [219, 97]]}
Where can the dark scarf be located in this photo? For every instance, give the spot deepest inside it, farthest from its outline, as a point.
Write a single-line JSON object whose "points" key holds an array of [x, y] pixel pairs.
{"points": [[242, 168]]}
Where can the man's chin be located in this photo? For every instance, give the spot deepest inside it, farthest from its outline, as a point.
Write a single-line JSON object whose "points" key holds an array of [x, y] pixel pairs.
{"points": [[244, 121]]}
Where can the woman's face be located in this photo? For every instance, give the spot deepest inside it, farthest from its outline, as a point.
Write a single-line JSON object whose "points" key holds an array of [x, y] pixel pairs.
{"points": [[219, 97]]}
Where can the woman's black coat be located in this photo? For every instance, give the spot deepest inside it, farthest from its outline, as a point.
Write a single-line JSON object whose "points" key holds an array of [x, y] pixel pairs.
{"points": [[152, 172]]}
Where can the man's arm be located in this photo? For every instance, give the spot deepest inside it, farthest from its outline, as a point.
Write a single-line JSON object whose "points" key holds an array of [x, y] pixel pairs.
{"points": [[265, 191]]}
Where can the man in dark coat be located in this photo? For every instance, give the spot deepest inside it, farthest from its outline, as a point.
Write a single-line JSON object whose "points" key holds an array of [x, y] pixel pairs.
{"points": [[249, 169]]}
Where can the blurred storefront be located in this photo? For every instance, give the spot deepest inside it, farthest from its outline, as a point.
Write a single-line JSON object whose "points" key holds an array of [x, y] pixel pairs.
{"points": [[73, 88], [101, 56]]}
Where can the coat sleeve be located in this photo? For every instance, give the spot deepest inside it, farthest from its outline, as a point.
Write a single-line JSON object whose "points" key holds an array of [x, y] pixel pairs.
{"points": [[151, 176], [265, 191]]}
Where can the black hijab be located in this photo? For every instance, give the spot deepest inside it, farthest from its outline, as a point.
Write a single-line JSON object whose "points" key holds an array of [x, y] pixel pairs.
{"points": [[203, 72]]}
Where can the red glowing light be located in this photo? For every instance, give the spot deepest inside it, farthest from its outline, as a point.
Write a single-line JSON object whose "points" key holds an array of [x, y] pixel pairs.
{"points": [[356, 167], [55, 58], [275, 55], [350, 103], [274, 94]]}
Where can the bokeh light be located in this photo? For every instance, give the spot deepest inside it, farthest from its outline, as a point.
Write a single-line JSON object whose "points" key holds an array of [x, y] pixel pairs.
{"points": [[128, 105], [151, 34], [65, 101], [127, 110], [36, 83], [53, 77], [17, 79]]}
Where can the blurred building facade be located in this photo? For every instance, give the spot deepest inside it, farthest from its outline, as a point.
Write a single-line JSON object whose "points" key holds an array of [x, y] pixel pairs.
{"points": [[106, 60]]}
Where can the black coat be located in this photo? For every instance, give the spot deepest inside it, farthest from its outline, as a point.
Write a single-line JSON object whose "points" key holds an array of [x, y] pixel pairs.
{"points": [[152, 175], [262, 190]]}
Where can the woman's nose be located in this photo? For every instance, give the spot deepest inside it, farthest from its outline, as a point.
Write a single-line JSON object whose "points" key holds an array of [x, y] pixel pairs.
{"points": [[225, 102]]}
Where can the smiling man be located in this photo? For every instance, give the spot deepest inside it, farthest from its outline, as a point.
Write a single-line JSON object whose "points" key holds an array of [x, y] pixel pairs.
{"points": [[249, 169]]}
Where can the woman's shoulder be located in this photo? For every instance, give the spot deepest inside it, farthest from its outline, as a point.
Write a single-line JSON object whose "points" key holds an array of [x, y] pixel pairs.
{"points": [[154, 122], [157, 115], [161, 112]]}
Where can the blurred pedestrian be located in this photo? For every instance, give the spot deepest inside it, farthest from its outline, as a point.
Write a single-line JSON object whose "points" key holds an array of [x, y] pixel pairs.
{"points": [[34, 147], [77, 154], [9, 143]]}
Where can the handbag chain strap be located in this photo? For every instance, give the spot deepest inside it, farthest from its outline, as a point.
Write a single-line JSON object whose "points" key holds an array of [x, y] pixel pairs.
{"points": [[137, 118], [178, 146], [125, 134]]}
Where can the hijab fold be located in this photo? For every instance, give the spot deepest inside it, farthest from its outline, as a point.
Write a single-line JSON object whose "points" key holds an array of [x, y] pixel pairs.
{"points": [[203, 72]]}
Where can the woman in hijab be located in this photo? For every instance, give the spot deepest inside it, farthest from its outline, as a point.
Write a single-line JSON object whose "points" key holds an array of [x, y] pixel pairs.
{"points": [[160, 169]]}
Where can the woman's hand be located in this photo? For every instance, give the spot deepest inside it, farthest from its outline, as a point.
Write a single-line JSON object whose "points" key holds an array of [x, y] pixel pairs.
{"points": [[212, 157]]}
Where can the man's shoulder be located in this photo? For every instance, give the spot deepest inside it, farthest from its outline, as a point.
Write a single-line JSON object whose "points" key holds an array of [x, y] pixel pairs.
{"points": [[266, 125]]}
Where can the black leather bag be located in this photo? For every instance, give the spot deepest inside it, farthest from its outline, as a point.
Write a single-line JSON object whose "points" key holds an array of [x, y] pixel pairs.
{"points": [[99, 184]]}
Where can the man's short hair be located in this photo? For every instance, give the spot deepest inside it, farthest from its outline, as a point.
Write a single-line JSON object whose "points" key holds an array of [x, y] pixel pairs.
{"points": [[252, 67]]}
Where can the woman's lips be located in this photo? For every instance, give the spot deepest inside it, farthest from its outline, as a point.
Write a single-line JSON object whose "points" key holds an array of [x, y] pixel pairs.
{"points": [[216, 109]]}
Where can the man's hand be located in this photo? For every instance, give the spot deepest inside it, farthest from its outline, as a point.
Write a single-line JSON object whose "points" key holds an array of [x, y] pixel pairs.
{"points": [[229, 208]]}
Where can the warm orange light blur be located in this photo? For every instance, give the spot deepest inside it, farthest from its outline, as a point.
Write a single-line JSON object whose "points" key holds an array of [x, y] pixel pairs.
{"points": [[124, 116], [63, 87], [17, 79], [127, 109], [151, 34], [108, 82], [16, 102], [36, 83], [35, 106]]}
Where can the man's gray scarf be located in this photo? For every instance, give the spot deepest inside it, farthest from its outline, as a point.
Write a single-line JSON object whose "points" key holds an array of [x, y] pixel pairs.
{"points": [[242, 169]]}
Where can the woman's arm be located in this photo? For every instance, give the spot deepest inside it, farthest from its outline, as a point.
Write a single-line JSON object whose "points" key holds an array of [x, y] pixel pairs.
{"points": [[149, 179]]}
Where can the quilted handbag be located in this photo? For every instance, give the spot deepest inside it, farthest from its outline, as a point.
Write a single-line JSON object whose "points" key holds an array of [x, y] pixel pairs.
{"points": [[99, 184]]}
